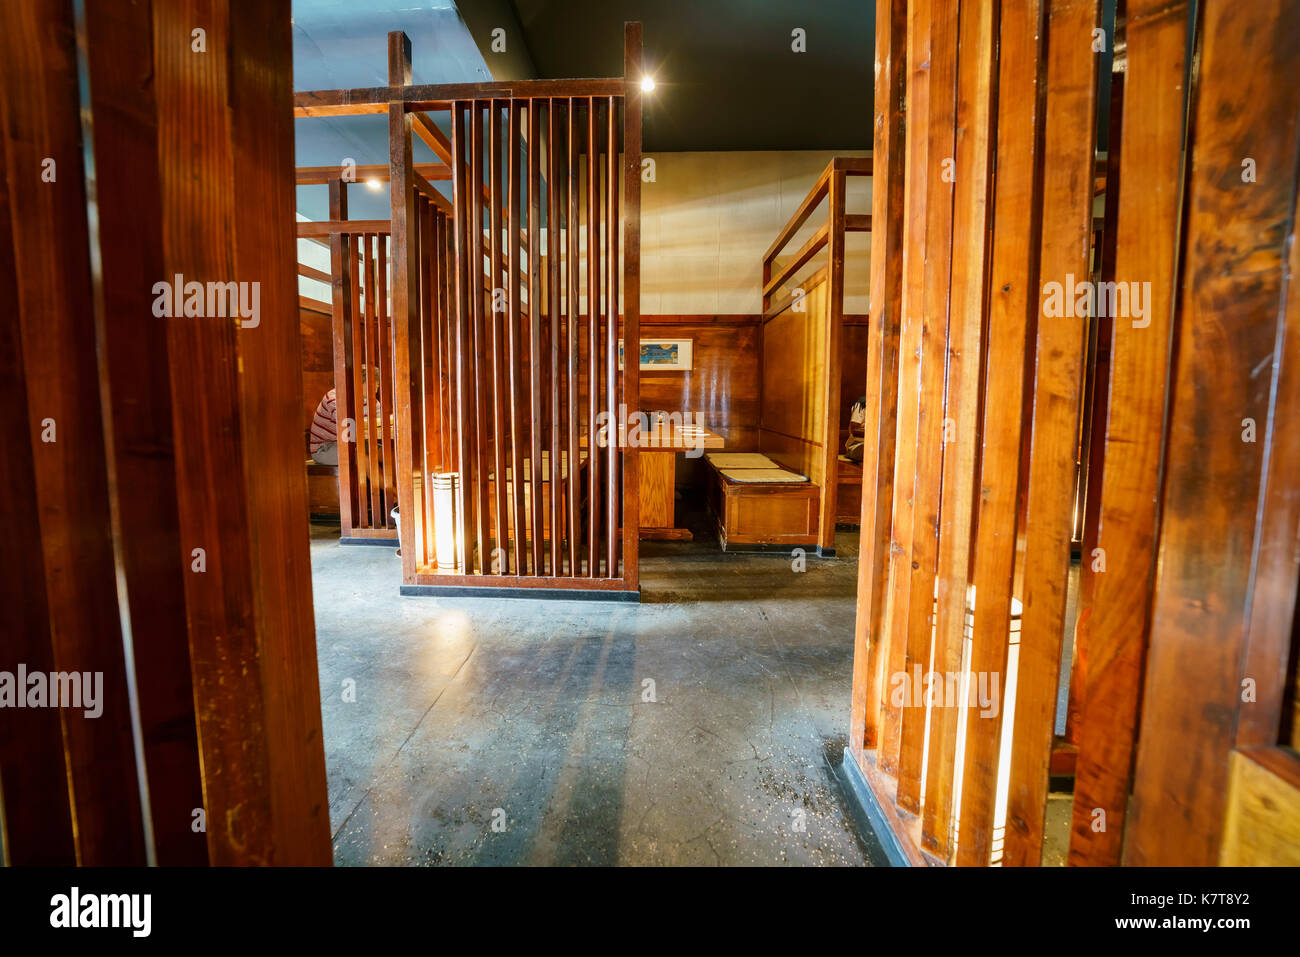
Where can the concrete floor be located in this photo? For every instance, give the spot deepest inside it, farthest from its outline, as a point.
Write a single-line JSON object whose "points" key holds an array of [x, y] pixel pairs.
{"points": [[523, 732]]}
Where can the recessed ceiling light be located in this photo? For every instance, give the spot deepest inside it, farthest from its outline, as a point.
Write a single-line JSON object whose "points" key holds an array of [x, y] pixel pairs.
{"points": [[647, 83]]}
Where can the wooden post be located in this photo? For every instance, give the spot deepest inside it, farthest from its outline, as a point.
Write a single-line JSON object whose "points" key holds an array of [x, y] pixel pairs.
{"points": [[407, 403], [346, 404], [632, 70], [888, 165]]}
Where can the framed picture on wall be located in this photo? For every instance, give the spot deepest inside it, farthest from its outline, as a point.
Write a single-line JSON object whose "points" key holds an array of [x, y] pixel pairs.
{"points": [[662, 355]]}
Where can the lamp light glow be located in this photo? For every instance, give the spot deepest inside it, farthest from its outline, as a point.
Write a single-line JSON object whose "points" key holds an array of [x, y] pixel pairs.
{"points": [[647, 83]]}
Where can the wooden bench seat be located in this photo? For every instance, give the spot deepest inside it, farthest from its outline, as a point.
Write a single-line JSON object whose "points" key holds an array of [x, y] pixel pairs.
{"points": [[761, 514], [323, 490]]}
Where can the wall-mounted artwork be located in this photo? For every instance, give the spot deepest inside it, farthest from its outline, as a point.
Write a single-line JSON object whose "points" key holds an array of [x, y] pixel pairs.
{"points": [[662, 355]]}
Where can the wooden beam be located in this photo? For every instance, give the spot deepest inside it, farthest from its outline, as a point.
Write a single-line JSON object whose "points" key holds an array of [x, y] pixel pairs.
{"points": [[324, 228], [429, 97], [321, 175], [407, 400]]}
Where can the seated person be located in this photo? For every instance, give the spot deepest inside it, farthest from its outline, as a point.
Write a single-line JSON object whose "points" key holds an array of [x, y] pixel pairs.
{"points": [[323, 446]]}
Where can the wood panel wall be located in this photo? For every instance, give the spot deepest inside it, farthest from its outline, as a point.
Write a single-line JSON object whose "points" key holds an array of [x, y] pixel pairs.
{"points": [[168, 517], [796, 367]]}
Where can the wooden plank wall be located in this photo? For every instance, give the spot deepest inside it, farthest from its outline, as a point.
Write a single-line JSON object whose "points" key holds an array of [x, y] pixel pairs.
{"points": [[178, 446], [967, 529]]}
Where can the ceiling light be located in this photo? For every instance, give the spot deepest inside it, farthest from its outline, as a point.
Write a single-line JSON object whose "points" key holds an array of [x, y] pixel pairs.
{"points": [[647, 83], [375, 184]]}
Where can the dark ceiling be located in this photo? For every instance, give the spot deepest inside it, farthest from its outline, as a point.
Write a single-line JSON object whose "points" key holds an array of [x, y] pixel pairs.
{"points": [[727, 76]]}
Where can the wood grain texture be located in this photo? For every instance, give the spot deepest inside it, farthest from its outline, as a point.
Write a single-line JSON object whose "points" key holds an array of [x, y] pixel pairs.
{"points": [[939, 150], [1013, 284], [1229, 314], [894, 623], [1111, 635], [38, 813], [976, 91], [1060, 350], [54, 325], [887, 205]]}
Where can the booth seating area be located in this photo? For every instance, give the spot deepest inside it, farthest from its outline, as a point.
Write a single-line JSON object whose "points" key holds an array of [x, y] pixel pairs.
{"points": [[787, 491]]}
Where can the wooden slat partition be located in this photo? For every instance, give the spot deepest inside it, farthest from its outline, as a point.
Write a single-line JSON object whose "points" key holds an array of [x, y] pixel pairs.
{"points": [[1233, 321], [1113, 629], [155, 459], [1188, 438], [509, 400]]}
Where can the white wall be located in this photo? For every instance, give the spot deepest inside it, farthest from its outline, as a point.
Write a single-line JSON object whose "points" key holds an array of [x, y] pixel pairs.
{"points": [[708, 218]]}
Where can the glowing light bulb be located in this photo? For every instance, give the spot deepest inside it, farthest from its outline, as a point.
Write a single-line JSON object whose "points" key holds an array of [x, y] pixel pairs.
{"points": [[647, 83], [375, 184]]}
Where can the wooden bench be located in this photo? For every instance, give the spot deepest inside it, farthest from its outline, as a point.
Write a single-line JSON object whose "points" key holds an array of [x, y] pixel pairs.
{"points": [[323, 490], [760, 515]]}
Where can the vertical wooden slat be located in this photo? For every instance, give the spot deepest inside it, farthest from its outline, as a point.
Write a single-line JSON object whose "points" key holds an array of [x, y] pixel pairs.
{"points": [[135, 388], [834, 364], [1013, 285], [611, 337], [1068, 163], [405, 320], [481, 358], [55, 327], [969, 294], [593, 338], [518, 426], [360, 396], [1112, 635], [894, 626], [367, 428], [341, 252], [33, 775], [500, 356], [384, 337], [941, 147], [1229, 312], [887, 204], [535, 397], [465, 289], [553, 167], [573, 371], [632, 70], [236, 394]]}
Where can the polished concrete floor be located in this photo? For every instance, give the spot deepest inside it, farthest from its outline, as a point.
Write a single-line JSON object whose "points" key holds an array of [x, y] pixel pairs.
{"points": [[702, 726]]}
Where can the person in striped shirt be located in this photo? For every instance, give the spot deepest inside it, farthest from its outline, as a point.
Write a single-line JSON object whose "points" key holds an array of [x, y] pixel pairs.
{"points": [[324, 446]]}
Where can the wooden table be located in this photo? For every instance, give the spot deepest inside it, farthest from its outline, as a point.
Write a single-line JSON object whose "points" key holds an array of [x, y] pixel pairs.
{"points": [[658, 465]]}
